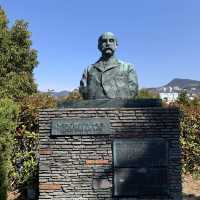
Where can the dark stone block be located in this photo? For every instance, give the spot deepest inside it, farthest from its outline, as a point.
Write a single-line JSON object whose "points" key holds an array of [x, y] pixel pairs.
{"points": [[110, 103]]}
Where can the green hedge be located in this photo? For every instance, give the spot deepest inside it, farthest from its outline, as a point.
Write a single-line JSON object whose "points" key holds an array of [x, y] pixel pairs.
{"points": [[190, 138], [8, 119]]}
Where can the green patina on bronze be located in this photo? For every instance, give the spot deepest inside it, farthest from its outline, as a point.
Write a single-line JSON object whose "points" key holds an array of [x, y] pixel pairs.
{"points": [[109, 77]]}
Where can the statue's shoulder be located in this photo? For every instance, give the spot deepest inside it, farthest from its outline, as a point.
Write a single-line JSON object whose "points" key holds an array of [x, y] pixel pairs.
{"points": [[98, 63], [95, 66], [89, 68], [125, 66]]}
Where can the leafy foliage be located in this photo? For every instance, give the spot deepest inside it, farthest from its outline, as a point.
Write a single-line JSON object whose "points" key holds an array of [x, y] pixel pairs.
{"points": [[74, 95], [17, 60], [190, 137], [146, 94], [183, 99], [8, 119], [30, 107], [196, 101], [190, 133], [25, 157]]}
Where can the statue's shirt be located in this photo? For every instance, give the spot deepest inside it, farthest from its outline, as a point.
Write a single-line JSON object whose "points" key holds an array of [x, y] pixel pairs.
{"points": [[109, 80]]}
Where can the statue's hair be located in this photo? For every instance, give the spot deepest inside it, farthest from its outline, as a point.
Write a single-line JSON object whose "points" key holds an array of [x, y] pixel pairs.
{"points": [[107, 34]]}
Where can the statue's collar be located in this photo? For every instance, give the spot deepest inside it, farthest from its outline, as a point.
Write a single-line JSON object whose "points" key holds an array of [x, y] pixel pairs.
{"points": [[106, 65]]}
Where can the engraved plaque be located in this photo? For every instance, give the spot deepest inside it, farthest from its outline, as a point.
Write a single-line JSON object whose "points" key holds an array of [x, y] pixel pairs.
{"points": [[140, 167], [140, 182], [140, 152], [80, 126]]}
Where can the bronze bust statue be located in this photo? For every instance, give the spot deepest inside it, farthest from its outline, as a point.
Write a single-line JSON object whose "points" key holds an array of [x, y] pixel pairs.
{"points": [[109, 77]]}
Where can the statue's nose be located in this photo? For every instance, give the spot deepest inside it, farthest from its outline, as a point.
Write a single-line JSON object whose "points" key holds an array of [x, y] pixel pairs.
{"points": [[108, 43]]}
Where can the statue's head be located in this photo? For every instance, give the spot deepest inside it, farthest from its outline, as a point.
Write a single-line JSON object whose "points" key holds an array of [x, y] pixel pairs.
{"points": [[107, 44]]}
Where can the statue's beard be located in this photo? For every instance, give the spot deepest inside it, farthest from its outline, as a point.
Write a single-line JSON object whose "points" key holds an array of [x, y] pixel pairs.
{"points": [[108, 51]]}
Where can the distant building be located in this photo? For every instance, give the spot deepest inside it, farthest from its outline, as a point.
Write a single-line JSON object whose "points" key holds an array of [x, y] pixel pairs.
{"points": [[170, 92], [177, 88], [169, 96]]}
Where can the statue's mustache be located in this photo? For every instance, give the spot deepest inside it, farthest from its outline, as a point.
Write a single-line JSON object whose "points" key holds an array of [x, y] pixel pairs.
{"points": [[108, 48]]}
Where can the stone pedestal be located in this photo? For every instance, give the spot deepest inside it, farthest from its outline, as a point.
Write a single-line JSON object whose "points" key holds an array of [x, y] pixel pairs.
{"points": [[90, 164]]}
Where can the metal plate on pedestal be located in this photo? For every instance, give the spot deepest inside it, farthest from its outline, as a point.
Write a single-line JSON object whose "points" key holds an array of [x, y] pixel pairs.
{"points": [[140, 182], [80, 126], [140, 152]]}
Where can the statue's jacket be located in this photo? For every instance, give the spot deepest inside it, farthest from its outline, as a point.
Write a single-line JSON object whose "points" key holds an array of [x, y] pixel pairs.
{"points": [[100, 81]]}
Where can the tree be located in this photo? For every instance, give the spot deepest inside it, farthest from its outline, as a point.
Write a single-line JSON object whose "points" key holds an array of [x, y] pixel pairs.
{"points": [[183, 98], [17, 60]]}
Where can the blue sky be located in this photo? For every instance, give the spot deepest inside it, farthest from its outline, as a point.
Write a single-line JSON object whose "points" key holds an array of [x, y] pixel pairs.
{"points": [[161, 38]]}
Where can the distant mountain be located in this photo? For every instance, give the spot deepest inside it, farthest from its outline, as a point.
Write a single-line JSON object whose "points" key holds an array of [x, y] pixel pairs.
{"points": [[60, 94], [177, 85], [183, 83]]}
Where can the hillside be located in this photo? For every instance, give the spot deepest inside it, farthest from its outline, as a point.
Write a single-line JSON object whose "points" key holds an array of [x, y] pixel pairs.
{"points": [[183, 83], [177, 85], [60, 94]]}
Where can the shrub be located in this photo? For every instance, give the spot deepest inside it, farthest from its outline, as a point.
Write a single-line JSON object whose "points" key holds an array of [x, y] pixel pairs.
{"points": [[8, 119], [147, 94], [190, 138], [25, 155]]}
